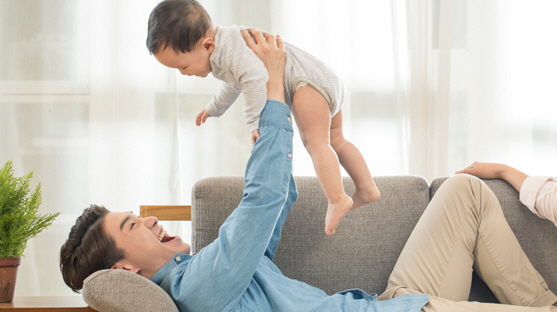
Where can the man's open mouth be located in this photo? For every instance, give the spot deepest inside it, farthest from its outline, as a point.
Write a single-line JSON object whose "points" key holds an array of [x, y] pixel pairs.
{"points": [[163, 237]]}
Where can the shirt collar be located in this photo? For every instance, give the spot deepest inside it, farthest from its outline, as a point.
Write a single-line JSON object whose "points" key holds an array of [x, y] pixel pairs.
{"points": [[169, 266]]}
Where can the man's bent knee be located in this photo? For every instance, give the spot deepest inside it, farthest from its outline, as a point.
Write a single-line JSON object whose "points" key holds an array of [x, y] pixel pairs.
{"points": [[462, 181]]}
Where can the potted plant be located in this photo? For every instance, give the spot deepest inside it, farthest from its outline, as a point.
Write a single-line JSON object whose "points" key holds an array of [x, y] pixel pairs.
{"points": [[19, 221]]}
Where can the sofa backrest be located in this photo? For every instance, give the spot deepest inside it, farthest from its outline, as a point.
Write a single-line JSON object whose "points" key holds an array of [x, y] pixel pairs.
{"points": [[537, 237], [369, 240], [361, 254]]}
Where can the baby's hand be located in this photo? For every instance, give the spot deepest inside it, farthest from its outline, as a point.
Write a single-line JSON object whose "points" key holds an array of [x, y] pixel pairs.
{"points": [[254, 136], [201, 117]]}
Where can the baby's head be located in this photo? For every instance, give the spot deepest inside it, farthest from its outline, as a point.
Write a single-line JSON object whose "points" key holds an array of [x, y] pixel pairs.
{"points": [[177, 36], [177, 24]]}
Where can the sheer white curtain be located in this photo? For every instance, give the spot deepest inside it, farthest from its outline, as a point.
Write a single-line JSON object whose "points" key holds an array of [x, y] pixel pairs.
{"points": [[433, 86], [397, 79], [485, 93], [98, 120], [437, 84]]}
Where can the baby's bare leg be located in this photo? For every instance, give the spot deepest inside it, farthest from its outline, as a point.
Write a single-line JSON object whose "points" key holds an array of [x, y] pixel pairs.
{"points": [[354, 163], [313, 119]]}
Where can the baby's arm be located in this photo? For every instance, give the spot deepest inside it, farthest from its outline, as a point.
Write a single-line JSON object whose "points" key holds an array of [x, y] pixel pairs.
{"points": [[274, 64], [201, 117], [250, 73], [243, 72], [221, 101], [255, 92]]}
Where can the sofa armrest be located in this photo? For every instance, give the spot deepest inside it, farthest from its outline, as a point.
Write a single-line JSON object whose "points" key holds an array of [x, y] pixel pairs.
{"points": [[124, 291], [121, 290]]}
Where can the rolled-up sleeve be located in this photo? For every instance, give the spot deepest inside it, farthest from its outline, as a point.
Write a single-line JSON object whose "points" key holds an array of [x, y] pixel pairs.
{"points": [[539, 194]]}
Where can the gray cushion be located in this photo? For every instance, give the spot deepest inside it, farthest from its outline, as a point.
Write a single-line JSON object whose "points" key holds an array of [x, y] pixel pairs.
{"points": [[121, 290], [538, 237], [361, 254]]}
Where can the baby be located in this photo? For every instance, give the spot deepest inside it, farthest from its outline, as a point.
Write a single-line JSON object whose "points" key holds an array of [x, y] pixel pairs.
{"points": [[181, 35]]}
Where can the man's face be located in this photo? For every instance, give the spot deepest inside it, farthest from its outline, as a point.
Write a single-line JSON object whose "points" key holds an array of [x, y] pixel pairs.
{"points": [[193, 63], [146, 246]]}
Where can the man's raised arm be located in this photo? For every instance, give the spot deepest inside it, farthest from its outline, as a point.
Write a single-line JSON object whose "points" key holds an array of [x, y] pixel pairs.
{"points": [[218, 276]]}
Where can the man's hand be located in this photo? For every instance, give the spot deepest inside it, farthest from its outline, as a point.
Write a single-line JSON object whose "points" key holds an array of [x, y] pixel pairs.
{"points": [[483, 170], [201, 117], [254, 136], [496, 171], [268, 50], [271, 52]]}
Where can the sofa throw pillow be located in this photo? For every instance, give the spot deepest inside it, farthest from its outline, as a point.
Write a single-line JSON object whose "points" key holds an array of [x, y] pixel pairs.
{"points": [[121, 290]]}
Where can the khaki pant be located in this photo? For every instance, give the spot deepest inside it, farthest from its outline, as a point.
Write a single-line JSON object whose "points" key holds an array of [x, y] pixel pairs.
{"points": [[464, 229]]}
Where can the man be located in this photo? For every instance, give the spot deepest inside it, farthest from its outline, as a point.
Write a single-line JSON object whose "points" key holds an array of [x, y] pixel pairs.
{"points": [[236, 272]]}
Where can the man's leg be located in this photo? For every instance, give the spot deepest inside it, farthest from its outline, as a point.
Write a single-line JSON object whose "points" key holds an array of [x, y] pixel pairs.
{"points": [[463, 229], [438, 304]]}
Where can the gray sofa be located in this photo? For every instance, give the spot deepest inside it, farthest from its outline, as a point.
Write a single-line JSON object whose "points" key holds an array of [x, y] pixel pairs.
{"points": [[361, 254]]}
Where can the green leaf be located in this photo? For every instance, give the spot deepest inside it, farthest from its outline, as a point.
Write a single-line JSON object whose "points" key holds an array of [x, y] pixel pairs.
{"points": [[19, 218]]}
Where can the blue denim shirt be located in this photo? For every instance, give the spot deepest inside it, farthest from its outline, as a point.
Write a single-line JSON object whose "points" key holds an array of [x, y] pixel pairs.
{"points": [[236, 272]]}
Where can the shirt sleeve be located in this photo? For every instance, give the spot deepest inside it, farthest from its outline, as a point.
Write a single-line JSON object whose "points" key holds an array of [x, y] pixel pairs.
{"points": [[219, 275], [275, 238], [254, 89], [250, 73], [539, 194], [222, 100]]}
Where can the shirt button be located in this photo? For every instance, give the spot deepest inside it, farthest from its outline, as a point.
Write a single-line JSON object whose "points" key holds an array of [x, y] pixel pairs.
{"points": [[289, 120], [289, 155], [178, 258]]}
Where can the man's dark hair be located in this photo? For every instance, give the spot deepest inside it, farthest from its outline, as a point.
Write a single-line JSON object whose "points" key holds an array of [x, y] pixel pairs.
{"points": [[177, 24], [88, 248]]}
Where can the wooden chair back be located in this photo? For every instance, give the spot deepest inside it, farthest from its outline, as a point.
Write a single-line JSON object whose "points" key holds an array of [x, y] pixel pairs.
{"points": [[166, 212]]}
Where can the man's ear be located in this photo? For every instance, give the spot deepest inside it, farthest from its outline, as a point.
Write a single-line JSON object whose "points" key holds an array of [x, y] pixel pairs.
{"points": [[208, 44], [125, 266]]}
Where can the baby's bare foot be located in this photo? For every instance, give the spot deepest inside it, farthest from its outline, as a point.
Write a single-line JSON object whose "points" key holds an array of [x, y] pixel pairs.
{"points": [[365, 196], [335, 212]]}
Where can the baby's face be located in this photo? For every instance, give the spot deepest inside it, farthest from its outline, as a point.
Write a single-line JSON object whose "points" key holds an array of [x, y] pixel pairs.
{"points": [[193, 63]]}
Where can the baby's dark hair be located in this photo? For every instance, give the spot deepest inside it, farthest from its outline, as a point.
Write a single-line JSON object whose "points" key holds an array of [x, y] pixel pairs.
{"points": [[177, 24], [88, 248]]}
